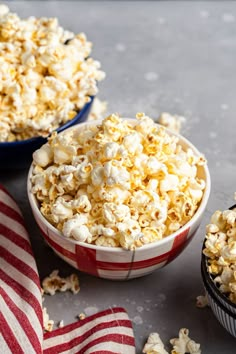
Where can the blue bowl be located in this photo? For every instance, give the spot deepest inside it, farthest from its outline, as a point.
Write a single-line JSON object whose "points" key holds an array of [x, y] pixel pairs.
{"points": [[18, 154]]}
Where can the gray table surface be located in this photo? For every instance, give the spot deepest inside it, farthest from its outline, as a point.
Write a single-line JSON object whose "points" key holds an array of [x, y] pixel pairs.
{"points": [[158, 56]]}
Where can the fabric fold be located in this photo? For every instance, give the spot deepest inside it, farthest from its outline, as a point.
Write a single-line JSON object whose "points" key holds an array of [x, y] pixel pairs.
{"points": [[21, 315]]}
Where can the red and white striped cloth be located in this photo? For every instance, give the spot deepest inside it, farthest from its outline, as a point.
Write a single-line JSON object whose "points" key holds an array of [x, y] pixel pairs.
{"points": [[21, 323]]}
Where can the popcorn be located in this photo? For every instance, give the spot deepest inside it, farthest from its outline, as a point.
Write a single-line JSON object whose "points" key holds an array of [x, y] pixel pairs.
{"points": [[118, 183], [220, 248], [154, 345], [181, 345], [47, 76], [47, 323], [98, 109], [60, 324], [81, 316], [202, 301], [184, 344], [172, 122], [54, 283]]}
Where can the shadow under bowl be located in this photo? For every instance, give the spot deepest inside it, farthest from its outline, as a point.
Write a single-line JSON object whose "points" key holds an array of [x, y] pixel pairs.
{"points": [[18, 154]]}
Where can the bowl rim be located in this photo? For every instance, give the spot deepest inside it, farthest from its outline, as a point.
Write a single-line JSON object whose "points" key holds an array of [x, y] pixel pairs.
{"points": [[209, 279], [214, 297], [5, 144], [198, 213]]}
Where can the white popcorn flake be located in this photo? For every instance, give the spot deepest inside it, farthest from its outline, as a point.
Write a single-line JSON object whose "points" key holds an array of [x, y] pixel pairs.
{"points": [[4, 9], [184, 344], [47, 76], [98, 109], [44, 156], [60, 324], [172, 122], [118, 183], [154, 345], [220, 248], [202, 301]]}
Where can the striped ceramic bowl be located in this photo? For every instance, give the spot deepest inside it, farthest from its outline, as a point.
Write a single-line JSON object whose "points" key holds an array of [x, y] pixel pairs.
{"points": [[223, 309], [117, 263]]}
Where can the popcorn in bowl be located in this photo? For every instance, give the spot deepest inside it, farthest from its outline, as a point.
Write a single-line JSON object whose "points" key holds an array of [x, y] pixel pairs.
{"points": [[218, 267], [117, 183], [220, 250], [47, 75]]}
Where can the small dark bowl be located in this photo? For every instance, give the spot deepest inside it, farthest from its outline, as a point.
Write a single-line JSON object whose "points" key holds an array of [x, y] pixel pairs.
{"points": [[222, 307], [226, 318], [18, 154]]}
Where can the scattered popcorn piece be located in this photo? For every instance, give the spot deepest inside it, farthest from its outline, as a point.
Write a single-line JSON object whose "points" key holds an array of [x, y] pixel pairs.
{"points": [[60, 324], [122, 183], [47, 323], [202, 301], [220, 248], [98, 110], [81, 316], [54, 283], [154, 345], [172, 122], [184, 344], [47, 76], [74, 283]]}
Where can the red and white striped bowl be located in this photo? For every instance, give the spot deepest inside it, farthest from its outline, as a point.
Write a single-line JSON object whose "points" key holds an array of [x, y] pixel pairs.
{"points": [[117, 263]]}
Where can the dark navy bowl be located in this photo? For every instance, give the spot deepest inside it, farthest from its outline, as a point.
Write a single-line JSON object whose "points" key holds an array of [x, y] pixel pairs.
{"points": [[18, 154]]}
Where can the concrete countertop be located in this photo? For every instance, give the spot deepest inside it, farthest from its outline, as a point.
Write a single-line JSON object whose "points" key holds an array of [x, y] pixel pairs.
{"points": [[158, 56]]}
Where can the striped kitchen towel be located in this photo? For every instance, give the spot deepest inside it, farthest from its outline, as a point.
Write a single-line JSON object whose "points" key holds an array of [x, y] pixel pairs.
{"points": [[21, 320]]}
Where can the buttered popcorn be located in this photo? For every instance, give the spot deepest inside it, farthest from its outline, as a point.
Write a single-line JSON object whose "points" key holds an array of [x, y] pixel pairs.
{"points": [[220, 248], [46, 75], [119, 183]]}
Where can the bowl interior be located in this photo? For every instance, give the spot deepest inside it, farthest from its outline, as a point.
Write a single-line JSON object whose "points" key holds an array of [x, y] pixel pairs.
{"points": [[203, 172]]}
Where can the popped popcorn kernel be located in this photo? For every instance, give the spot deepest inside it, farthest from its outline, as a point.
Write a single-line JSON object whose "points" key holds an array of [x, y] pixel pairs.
{"points": [[117, 183], [60, 324], [220, 250], [202, 301], [181, 345], [81, 316], [172, 122], [54, 283], [154, 345], [184, 344], [47, 323], [47, 76]]}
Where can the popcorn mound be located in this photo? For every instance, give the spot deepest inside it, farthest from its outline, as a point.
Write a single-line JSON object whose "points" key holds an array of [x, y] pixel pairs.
{"points": [[220, 248], [47, 75], [118, 183]]}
